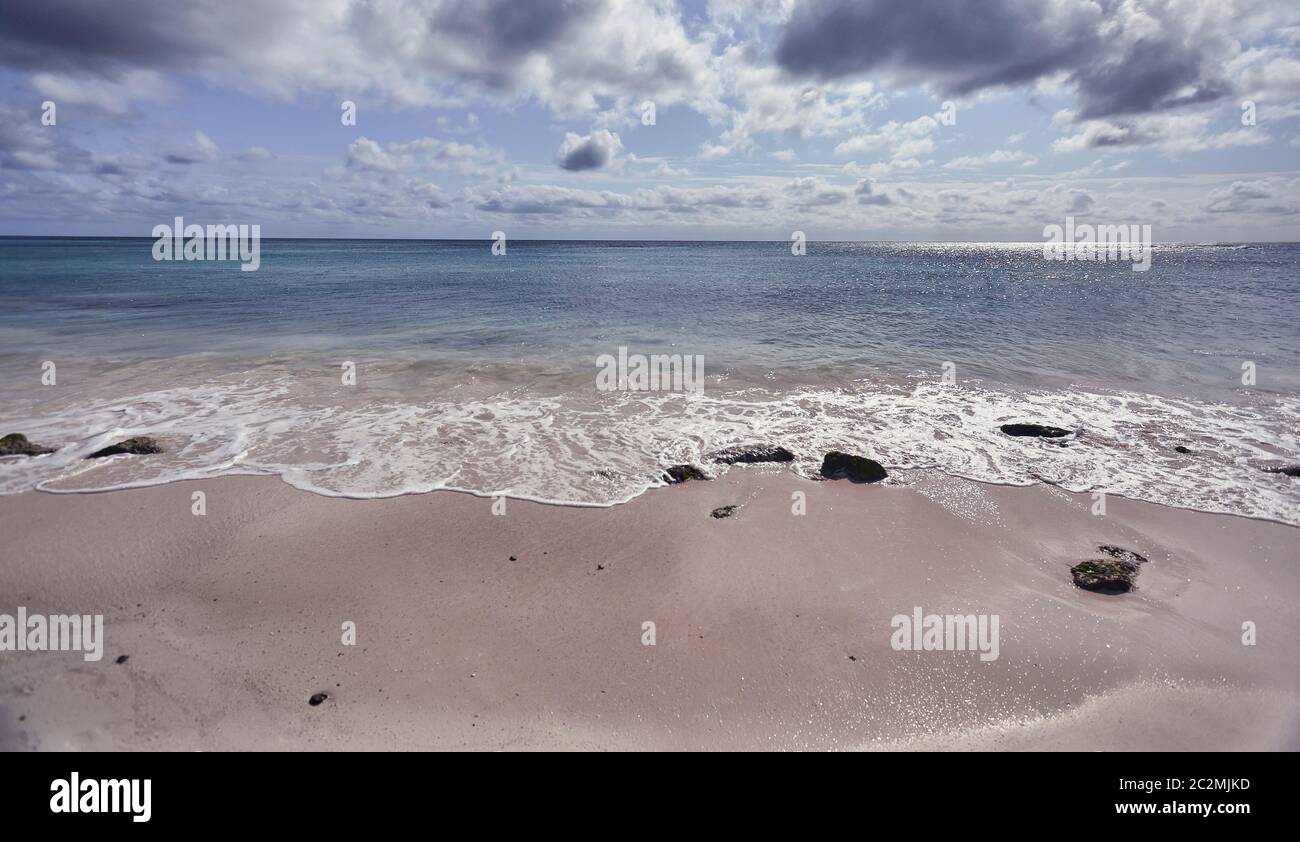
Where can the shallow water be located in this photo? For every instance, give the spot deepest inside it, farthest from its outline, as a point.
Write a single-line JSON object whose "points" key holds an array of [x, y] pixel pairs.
{"points": [[477, 372]]}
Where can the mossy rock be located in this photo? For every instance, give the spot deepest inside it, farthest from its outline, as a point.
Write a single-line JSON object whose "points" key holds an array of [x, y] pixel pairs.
{"points": [[16, 444], [138, 445], [837, 465], [1105, 575]]}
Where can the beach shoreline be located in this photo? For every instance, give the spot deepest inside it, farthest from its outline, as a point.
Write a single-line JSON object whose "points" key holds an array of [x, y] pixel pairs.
{"points": [[526, 630]]}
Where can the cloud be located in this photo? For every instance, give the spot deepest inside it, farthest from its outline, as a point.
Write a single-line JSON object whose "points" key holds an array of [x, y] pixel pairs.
{"points": [[1251, 197], [111, 95], [199, 151], [867, 195], [1000, 156], [772, 103], [1079, 201], [256, 153], [422, 156], [1119, 56], [812, 192], [903, 142], [565, 53], [25, 144], [550, 200], [1175, 133], [591, 152]]}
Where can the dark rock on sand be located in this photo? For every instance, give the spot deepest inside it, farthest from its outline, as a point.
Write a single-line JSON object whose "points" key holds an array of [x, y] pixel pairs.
{"points": [[1289, 470], [139, 445], [837, 465], [1036, 430], [1122, 554], [317, 698], [16, 444], [748, 454], [681, 473], [122, 659], [723, 511], [1182, 449], [1105, 575]]}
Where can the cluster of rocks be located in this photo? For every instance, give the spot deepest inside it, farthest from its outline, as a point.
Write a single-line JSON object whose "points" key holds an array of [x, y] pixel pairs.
{"points": [[1046, 431], [16, 444], [1115, 574], [835, 465]]}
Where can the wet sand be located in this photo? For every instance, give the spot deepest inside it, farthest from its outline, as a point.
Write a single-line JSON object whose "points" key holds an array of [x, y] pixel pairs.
{"points": [[772, 630]]}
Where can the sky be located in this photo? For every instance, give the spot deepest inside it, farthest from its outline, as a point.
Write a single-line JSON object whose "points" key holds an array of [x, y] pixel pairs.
{"points": [[635, 119]]}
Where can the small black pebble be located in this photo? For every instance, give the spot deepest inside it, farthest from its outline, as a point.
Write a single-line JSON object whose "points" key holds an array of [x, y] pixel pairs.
{"points": [[600, 567], [317, 699], [512, 558], [121, 659], [853, 657], [1181, 449]]}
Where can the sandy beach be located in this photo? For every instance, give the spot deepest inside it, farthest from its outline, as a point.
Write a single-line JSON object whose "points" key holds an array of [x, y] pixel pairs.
{"points": [[772, 630]]}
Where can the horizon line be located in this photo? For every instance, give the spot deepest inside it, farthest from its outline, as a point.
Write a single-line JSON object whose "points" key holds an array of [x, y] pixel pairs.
{"points": [[615, 240]]}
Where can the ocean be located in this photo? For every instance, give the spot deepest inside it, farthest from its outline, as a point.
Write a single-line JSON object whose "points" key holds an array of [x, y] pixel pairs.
{"points": [[477, 372]]}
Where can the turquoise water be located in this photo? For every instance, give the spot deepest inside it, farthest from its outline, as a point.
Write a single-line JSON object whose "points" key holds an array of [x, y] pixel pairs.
{"points": [[477, 371]]}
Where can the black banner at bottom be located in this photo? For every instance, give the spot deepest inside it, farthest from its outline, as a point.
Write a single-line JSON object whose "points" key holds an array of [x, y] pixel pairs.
{"points": [[321, 791]]}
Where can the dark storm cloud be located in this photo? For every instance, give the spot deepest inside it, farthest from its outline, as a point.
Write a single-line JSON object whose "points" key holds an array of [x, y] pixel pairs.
{"points": [[104, 37], [283, 44], [1121, 59], [508, 31]]}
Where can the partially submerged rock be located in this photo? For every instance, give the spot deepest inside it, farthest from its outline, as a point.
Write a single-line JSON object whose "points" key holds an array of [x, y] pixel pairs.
{"points": [[139, 445], [681, 473], [1036, 430], [1122, 554], [1105, 575], [1182, 449], [1288, 470], [837, 465], [723, 511], [16, 444], [748, 454]]}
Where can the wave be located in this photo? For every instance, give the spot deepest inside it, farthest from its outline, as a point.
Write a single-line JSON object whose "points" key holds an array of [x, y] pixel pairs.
{"points": [[603, 449]]}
